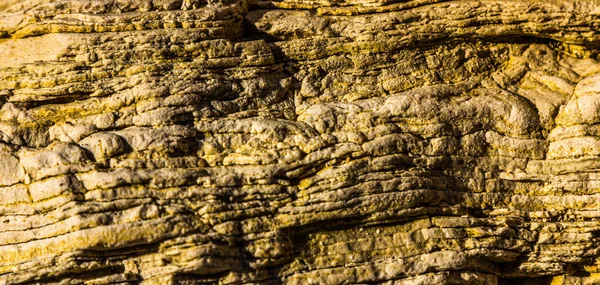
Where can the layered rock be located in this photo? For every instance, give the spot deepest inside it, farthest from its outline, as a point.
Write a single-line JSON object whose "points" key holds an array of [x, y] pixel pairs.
{"points": [[300, 142]]}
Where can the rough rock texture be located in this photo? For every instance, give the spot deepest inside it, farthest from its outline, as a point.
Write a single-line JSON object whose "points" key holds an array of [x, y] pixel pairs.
{"points": [[299, 142]]}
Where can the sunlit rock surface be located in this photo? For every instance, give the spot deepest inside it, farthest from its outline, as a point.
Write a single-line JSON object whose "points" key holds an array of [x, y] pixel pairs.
{"points": [[299, 142]]}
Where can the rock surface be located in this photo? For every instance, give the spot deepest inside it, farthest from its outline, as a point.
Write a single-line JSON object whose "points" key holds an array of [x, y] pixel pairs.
{"points": [[299, 142]]}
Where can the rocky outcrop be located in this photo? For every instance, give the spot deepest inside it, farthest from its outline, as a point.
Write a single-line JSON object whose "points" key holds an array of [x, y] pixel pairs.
{"points": [[299, 142]]}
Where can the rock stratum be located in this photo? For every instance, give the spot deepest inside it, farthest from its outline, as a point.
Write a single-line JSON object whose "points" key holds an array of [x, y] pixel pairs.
{"points": [[299, 142]]}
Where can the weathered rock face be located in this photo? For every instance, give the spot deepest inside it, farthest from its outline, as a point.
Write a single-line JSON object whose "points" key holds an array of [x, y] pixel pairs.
{"points": [[299, 142]]}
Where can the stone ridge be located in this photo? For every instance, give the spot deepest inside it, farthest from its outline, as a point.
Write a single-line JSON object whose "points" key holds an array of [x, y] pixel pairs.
{"points": [[299, 142]]}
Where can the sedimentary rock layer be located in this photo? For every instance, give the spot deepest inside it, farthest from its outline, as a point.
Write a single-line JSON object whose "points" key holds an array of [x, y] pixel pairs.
{"points": [[299, 142]]}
